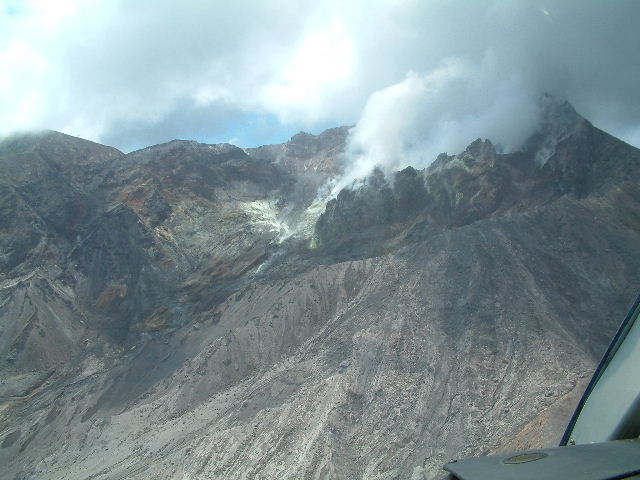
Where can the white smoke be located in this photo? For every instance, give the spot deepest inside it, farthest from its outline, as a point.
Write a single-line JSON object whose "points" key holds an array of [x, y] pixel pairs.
{"points": [[442, 110]]}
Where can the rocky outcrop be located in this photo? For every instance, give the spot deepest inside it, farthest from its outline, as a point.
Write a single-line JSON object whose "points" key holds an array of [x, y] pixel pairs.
{"points": [[306, 153], [99, 247], [46, 195], [312, 161], [477, 184]]}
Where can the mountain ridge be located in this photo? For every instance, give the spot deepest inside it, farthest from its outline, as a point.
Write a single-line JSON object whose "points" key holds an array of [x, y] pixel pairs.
{"points": [[169, 317]]}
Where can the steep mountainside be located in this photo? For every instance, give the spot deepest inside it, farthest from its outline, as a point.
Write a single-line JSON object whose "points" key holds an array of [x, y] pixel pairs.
{"points": [[194, 311]]}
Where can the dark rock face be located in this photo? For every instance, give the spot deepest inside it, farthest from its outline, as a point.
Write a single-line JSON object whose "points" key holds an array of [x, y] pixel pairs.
{"points": [[46, 186], [311, 160], [477, 184], [306, 153], [118, 276], [163, 314]]}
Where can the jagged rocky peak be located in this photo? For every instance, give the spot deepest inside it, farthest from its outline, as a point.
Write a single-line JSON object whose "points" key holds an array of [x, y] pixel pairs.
{"points": [[181, 146], [479, 182], [557, 114], [182, 167], [180, 154], [304, 144], [306, 153], [479, 154], [360, 221], [309, 161], [481, 150], [558, 122]]}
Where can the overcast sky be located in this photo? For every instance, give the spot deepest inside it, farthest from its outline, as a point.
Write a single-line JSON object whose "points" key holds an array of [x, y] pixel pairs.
{"points": [[429, 73]]}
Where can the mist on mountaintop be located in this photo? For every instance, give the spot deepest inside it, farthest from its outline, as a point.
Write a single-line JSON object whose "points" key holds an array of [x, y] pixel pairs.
{"points": [[442, 111], [418, 77]]}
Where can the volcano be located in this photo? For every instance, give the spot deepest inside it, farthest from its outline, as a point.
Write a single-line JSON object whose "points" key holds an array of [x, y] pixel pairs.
{"points": [[200, 311]]}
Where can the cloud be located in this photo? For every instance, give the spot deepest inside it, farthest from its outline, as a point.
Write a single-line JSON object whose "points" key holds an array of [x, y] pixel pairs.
{"points": [[125, 71], [489, 85], [96, 66], [317, 73]]}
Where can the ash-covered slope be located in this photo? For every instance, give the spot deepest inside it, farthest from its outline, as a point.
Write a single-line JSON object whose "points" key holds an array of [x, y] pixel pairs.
{"points": [[447, 312], [99, 248]]}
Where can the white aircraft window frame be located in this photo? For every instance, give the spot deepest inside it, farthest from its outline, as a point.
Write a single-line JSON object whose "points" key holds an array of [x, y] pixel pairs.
{"points": [[610, 406]]}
